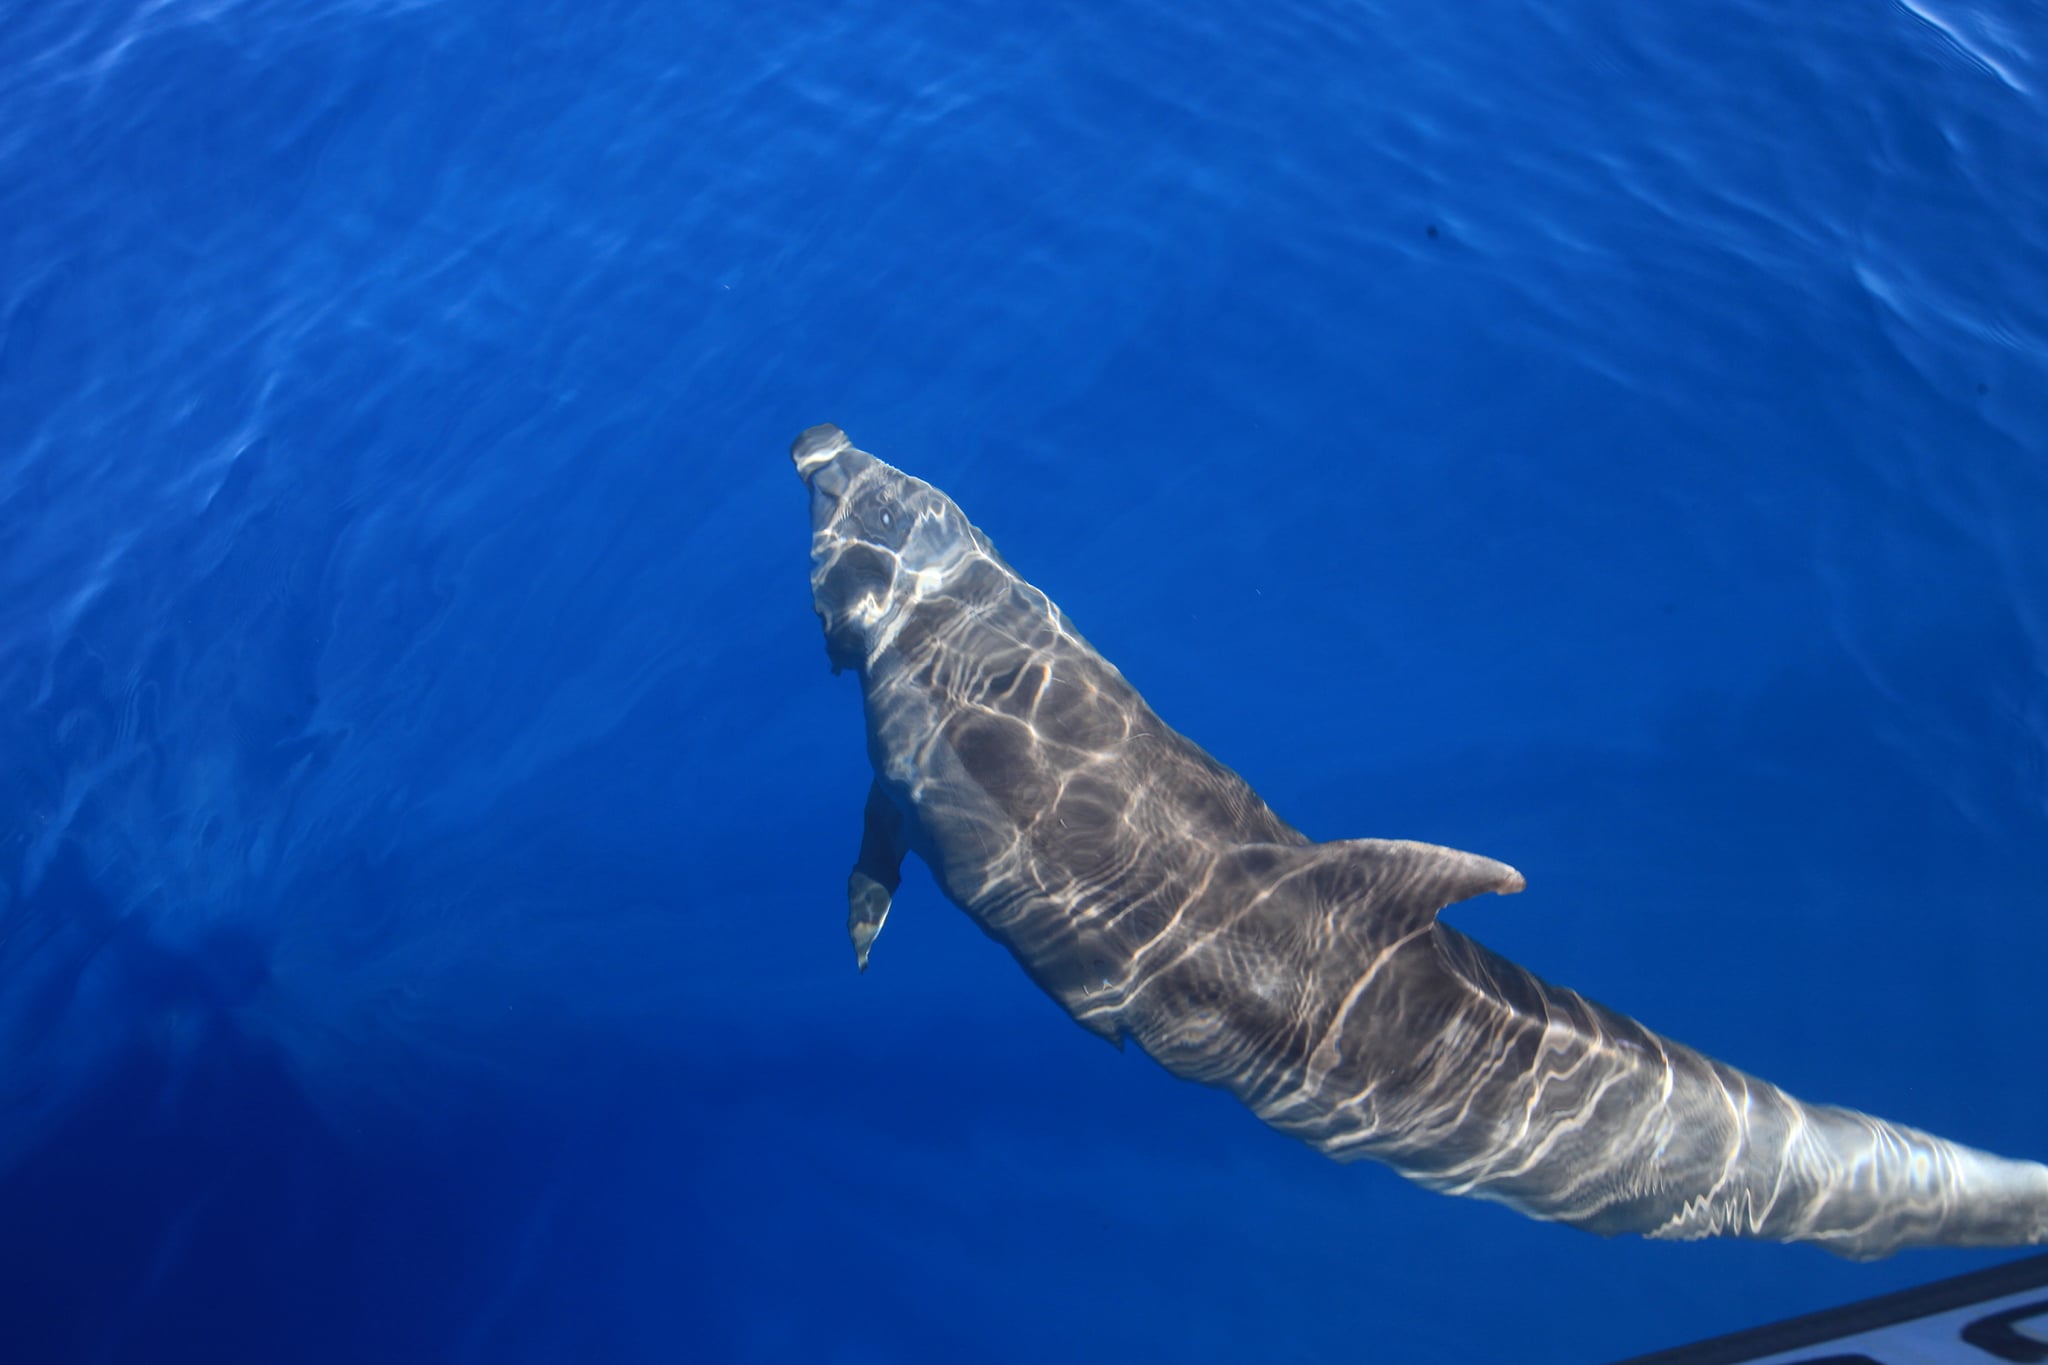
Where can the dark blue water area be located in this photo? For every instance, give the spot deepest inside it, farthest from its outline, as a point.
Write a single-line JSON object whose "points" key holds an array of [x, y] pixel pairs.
{"points": [[1609, 437]]}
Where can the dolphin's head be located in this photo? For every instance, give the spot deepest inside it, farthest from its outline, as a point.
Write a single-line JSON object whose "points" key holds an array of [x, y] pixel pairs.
{"points": [[881, 541]]}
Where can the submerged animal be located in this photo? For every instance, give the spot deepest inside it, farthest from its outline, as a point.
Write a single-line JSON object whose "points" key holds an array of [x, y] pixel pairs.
{"points": [[1146, 888]]}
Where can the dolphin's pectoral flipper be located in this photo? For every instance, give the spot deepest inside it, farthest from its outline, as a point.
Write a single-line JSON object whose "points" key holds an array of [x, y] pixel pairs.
{"points": [[1400, 884], [877, 872], [867, 907]]}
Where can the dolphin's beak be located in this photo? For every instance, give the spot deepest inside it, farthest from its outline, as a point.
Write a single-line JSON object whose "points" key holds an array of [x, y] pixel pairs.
{"points": [[816, 454]]}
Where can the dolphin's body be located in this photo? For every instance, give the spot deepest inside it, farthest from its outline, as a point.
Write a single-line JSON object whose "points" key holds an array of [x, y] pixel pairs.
{"points": [[1148, 889]]}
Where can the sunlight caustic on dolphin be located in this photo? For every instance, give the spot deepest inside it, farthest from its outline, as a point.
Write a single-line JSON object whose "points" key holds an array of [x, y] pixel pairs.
{"points": [[1148, 890]]}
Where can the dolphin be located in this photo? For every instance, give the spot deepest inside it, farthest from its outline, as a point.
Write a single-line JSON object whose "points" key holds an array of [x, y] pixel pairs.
{"points": [[1149, 891]]}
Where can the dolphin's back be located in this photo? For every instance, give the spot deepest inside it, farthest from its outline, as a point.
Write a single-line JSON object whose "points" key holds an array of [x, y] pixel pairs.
{"points": [[1047, 797], [1063, 754]]}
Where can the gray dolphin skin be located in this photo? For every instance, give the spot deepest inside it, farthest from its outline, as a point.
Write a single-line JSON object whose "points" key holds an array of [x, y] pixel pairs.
{"points": [[1146, 888]]}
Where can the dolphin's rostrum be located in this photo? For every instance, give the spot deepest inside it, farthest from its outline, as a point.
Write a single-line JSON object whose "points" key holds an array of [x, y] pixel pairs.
{"points": [[1148, 889]]}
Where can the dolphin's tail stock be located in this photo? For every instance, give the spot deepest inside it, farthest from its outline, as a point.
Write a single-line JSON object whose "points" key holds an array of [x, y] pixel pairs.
{"points": [[1631, 1132], [1875, 1187], [1855, 1185]]}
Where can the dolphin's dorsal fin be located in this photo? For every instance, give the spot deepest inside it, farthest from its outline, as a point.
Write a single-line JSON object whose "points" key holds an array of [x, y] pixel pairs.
{"points": [[1394, 887]]}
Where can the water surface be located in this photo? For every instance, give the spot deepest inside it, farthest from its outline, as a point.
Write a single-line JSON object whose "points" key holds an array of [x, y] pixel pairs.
{"points": [[1610, 438]]}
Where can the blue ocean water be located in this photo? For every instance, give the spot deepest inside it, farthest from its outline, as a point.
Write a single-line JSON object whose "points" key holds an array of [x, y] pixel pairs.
{"points": [[1612, 438]]}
